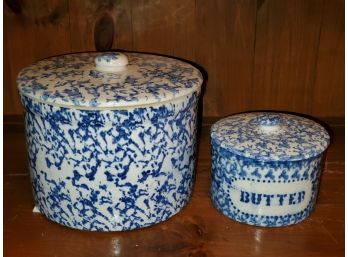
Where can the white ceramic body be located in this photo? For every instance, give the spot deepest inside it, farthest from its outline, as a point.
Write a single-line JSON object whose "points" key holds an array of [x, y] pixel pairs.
{"points": [[270, 194], [111, 170]]}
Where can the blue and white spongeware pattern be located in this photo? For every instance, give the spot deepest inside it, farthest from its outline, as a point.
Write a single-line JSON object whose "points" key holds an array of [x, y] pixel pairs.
{"points": [[268, 119], [266, 167], [111, 62], [73, 80], [110, 169], [108, 57]]}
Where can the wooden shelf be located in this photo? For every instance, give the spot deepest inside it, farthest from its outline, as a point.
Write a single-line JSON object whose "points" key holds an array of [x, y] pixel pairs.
{"points": [[198, 230]]}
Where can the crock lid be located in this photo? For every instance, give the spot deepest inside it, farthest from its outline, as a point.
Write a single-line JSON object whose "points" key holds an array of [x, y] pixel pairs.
{"points": [[108, 80], [268, 136]]}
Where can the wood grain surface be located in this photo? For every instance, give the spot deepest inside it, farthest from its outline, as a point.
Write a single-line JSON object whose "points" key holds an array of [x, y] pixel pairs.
{"points": [[100, 25], [225, 42], [198, 230], [33, 30], [286, 45], [330, 62], [165, 27], [257, 54]]}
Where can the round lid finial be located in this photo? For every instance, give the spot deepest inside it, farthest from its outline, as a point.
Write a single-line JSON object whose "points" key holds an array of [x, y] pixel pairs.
{"points": [[111, 62], [268, 122], [268, 119]]}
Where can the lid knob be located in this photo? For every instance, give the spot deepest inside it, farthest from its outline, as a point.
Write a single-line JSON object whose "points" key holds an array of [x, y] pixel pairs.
{"points": [[268, 119], [269, 122], [111, 62]]}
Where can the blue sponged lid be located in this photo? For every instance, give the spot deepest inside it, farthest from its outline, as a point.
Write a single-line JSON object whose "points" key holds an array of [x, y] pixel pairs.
{"points": [[108, 80], [268, 136]]}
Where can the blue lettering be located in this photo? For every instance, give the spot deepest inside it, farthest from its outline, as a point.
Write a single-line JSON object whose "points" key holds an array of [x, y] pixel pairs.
{"points": [[255, 200], [301, 196], [268, 199], [292, 199], [244, 197], [281, 199]]}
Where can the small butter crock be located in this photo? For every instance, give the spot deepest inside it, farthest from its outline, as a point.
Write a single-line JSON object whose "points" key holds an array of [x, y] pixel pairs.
{"points": [[266, 167], [111, 137]]}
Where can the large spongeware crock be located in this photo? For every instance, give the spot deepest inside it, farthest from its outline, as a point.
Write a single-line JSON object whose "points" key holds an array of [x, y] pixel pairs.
{"points": [[111, 137], [266, 167]]}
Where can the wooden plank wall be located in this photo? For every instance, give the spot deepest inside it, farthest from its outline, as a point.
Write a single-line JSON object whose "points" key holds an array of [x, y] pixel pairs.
{"points": [[259, 54]]}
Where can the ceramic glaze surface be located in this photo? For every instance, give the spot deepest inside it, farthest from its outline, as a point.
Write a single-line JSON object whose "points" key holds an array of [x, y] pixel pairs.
{"points": [[73, 80], [111, 170], [111, 59], [111, 62], [271, 136], [277, 192], [111, 138]]}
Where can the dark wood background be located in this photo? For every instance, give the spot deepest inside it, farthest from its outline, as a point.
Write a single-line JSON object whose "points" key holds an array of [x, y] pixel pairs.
{"points": [[259, 54]]}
